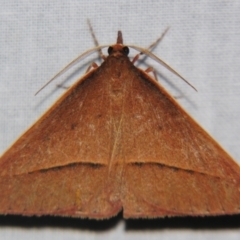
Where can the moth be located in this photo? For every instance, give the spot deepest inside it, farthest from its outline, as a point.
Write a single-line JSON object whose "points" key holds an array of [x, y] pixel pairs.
{"points": [[118, 141]]}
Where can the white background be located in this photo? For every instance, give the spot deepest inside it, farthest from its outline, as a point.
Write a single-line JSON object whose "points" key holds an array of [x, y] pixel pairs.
{"points": [[38, 38]]}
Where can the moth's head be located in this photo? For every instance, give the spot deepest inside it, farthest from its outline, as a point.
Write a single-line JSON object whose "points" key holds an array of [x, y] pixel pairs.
{"points": [[118, 48]]}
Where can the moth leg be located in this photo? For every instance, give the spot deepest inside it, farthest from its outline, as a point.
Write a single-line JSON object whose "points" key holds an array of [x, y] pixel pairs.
{"points": [[92, 65], [151, 69], [152, 46], [136, 58]]}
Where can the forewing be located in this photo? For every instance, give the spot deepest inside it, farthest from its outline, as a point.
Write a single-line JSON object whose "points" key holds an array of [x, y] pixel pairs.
{"points": [[60, 165], [173, 167]]}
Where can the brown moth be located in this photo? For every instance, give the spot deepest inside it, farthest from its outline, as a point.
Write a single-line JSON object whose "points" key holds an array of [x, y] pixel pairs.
{"points": [[116, 140]]}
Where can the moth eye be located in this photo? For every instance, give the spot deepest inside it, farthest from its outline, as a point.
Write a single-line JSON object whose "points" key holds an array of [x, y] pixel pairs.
{"points": [[126, 50], [110, 49]]}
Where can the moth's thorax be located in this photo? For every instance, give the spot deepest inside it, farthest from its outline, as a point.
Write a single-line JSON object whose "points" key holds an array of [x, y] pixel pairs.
{"points": [[118, 65]]}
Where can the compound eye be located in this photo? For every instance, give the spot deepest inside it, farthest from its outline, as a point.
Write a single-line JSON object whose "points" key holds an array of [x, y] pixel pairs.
{"points": [[110, 50], [126, 50]]}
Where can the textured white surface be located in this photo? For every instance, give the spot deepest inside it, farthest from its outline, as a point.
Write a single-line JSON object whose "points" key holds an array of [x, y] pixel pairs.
{"points": [[38, 38]]}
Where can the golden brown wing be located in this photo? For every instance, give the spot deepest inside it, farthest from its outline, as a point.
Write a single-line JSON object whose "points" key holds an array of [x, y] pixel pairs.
{"points": [[60, 166], [173, 167]]}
